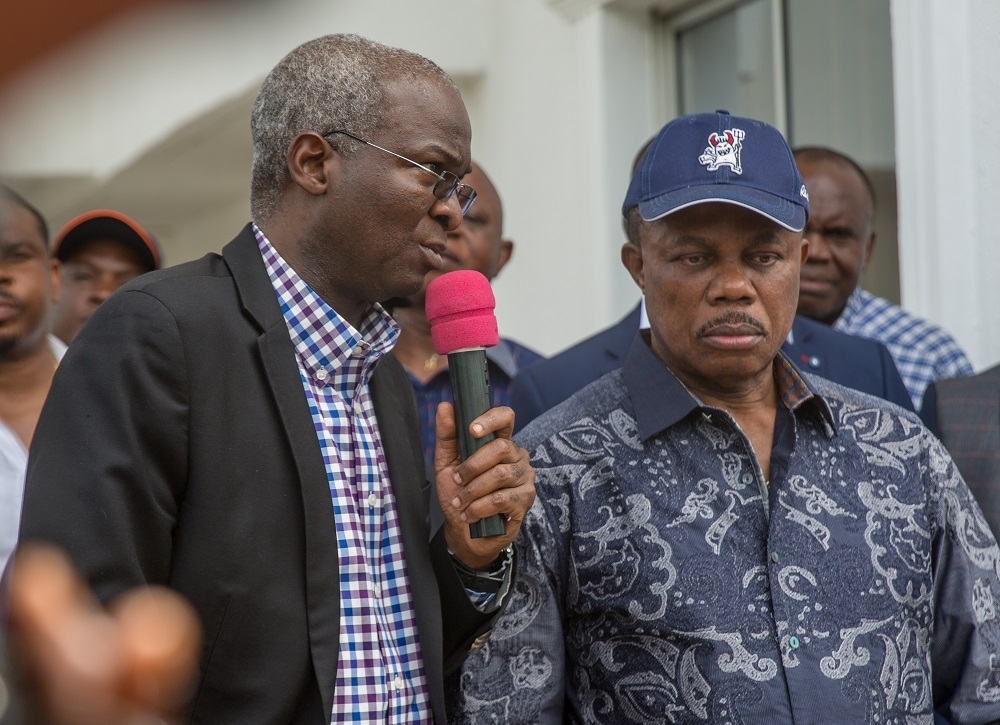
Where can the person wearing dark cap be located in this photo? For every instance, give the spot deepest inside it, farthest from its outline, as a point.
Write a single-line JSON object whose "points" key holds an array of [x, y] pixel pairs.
{"points": [[98, 252], [718, 536]]}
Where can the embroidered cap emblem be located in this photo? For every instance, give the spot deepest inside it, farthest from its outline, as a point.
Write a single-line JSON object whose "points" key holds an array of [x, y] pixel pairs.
{"points": [[724, 150]]}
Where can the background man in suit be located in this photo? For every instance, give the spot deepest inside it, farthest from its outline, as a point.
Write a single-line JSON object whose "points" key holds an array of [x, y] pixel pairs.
{"points": [[236, 429], [965, 414], [477, 243], [842, 237]]}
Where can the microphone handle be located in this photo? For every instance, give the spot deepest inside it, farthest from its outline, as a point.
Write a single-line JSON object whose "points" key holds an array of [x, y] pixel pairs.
{"points": [[470, 384]]}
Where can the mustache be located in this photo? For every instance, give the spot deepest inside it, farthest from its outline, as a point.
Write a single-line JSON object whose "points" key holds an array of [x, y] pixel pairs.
{"points": [[732, 318]]}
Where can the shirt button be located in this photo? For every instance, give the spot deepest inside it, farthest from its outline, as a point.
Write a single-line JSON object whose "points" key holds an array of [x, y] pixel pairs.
{"points": [[398, 682], [774, 556], [321, 374], [378, 591], [362, 349], [372, 500], [747, 478], [793, 642]]}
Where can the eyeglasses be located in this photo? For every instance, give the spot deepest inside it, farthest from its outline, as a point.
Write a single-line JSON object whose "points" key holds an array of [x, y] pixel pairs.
{"points": [[446, 185]]}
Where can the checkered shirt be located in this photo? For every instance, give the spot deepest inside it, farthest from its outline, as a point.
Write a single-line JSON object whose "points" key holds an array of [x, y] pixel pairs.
{"points": [[380, 675], [922, 351]]}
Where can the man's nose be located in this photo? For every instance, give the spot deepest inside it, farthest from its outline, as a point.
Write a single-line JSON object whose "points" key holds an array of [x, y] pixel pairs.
{"points": [[448, 212], [103, 288], [731, 283]]}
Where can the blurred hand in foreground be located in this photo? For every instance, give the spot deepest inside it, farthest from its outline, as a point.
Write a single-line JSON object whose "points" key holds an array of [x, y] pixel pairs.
{"points": [[73, 662]]}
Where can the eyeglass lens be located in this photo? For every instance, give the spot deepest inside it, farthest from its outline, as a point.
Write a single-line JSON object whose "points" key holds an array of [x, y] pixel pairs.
{"points": [[449, 184]]}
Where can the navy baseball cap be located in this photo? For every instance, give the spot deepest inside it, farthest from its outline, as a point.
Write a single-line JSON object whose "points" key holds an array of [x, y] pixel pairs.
{"points": [[718, 157]]}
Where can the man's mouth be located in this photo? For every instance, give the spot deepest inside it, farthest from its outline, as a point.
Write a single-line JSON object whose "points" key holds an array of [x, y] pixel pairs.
{"points": [[734, 332], [433, 252], [9, 307], [811, 285]]}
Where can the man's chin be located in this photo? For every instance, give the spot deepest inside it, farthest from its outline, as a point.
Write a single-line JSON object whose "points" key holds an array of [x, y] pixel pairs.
{"points": [[817, 308], [8, 343]]}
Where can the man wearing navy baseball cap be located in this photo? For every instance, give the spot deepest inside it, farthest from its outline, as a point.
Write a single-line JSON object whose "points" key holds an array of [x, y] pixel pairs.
{"points": [[717, 536]]}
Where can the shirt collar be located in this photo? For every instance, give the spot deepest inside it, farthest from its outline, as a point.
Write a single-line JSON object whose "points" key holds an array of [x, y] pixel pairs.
{"points": [[57, 346], [323, 340], [660, 400], [502, 356]]}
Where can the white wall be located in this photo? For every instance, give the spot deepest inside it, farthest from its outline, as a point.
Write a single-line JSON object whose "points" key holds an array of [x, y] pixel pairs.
{"points": [[559, 102], [945, 57]]}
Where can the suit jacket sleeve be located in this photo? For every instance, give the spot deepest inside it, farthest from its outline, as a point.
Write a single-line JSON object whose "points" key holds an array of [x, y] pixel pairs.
{"points": [[526, 399], [106, 486]]}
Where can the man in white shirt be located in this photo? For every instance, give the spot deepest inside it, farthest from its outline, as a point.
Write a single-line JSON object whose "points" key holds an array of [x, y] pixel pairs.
{"points": [[28, 355]]}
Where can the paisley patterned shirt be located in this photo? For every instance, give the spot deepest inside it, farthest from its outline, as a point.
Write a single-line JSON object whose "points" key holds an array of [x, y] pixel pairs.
{"points": [[663, 580]]}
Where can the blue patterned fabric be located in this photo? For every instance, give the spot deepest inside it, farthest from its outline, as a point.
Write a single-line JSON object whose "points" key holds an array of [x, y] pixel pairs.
{"points": [[380, 674], [923, 352], [662, 579]]}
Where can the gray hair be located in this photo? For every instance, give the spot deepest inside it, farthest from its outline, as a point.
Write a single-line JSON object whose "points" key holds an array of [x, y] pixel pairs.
{"points": [[332, 82]]}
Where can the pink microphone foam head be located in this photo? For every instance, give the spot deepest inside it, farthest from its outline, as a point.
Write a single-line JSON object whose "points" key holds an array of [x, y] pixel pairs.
{"points": [[459, 306]]}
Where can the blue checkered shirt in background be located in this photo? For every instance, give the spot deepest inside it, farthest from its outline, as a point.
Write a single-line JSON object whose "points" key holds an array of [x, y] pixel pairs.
{"points": [[380, 674], [922, 351]]}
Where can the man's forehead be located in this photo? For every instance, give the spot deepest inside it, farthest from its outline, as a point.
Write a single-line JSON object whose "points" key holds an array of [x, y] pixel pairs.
{"points": [[442, 124], [18, 225]]}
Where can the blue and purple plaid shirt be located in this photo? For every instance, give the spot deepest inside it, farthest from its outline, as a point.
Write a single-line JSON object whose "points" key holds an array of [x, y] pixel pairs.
{"points": [[923, 352], [380, 675]]}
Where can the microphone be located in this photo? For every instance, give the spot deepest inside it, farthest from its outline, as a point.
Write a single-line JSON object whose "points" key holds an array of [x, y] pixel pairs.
{"points": [[459, 307]]}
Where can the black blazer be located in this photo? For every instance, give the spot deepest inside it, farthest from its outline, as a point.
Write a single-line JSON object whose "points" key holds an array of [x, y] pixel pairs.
{"points": [[176, 447], [816, 348], [965, 414]]}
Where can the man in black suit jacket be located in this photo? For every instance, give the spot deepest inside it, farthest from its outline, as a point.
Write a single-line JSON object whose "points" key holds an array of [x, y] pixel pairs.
{"points": [[178, 445], [965, 415], [852, 361]]}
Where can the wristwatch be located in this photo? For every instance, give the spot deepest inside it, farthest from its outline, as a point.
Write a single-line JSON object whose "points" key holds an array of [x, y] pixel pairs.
{"points": [[486, 581]]}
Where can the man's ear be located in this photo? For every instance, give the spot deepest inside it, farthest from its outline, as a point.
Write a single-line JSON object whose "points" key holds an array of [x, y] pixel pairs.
{"points": [[55, 277], [307, 167], [632, 259], [869, 250], [506, 251], [805, 250]]}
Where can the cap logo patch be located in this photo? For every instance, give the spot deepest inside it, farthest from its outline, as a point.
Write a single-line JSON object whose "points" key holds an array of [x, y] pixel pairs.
{"points": [[724, 150]]}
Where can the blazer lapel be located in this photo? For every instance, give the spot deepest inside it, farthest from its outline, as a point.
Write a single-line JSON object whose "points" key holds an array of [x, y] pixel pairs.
{"points": [[278, 358]]}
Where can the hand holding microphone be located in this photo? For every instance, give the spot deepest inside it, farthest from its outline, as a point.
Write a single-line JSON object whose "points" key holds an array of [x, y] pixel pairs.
{"points": [[492, 472]]}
